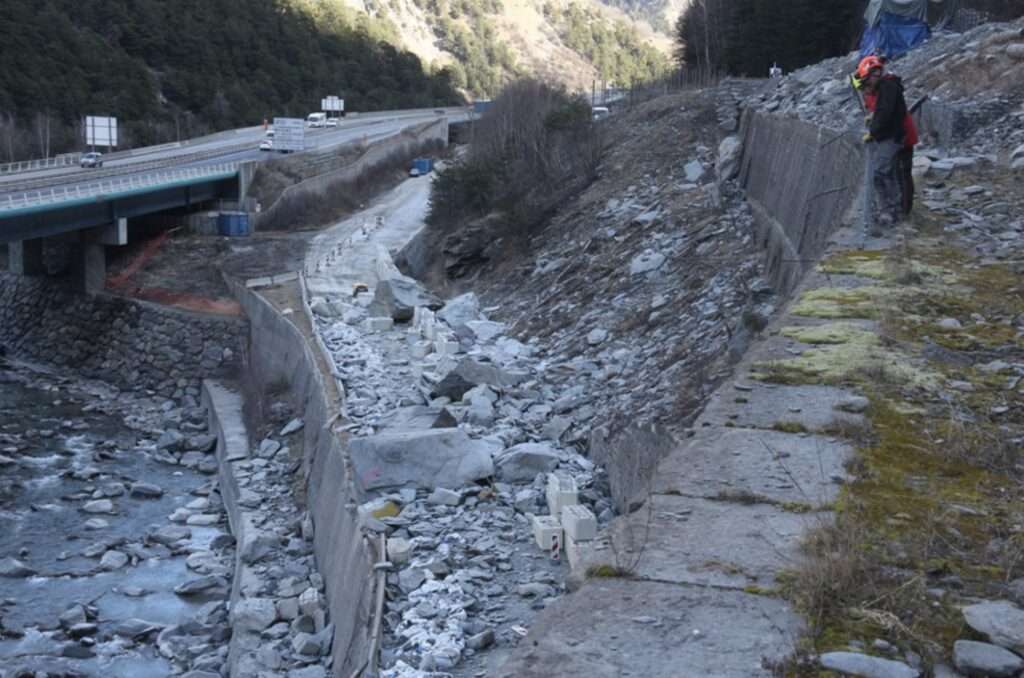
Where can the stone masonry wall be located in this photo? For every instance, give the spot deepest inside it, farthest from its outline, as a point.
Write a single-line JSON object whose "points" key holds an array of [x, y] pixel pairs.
{"points": [[127, 343]]}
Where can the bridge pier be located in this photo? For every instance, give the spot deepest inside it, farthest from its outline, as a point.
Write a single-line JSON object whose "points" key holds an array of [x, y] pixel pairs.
{"points": [[25, 257], [89, 271]]}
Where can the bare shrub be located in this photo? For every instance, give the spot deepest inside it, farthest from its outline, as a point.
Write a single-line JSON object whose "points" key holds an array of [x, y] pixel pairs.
{"points": [[535, 146]]}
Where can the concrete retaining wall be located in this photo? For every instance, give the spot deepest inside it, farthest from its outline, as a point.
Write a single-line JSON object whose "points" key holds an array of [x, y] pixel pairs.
{"points": [[377, 153], [279, 351], [127, 343], [801, 182]]}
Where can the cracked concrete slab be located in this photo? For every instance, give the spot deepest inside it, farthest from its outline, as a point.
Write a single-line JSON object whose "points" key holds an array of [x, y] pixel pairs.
{"points": [[612, 628], [690, 540], [780, 467], [760, 405]]}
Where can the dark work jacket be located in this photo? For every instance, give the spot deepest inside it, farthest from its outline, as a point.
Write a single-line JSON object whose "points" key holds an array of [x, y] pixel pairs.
{"points": [[890, 110]]}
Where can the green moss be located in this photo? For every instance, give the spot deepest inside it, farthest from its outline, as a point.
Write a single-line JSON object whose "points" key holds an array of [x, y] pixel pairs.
{"points": [[789, 427], [867, 263], [830, 333], [838, 302], [607, 571]]}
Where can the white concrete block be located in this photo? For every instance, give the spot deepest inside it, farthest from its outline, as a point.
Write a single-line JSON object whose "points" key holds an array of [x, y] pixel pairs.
{"points": [[579, 523], [446, 346], [546, 531], [578, 553], [309, 601], [561, 492], [378, 324], [421, 349], [399, 550]]}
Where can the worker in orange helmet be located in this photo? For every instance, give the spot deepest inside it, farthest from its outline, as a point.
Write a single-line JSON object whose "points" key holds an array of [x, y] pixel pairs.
{"points": [[887, 129]]}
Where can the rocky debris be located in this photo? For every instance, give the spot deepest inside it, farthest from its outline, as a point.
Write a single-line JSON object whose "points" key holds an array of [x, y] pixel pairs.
{"points": [[855, 664], [253, 614], [142, 490], [981, 659], [397, 298], [1001, 622]]}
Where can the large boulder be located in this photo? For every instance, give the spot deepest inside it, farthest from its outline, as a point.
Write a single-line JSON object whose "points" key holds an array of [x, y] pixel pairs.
{"points": [[399, 297], [982, 659], [729, 158], [1000, 621], [442, 457], [469, 373], [418, 418], [460, 310], [521, 463]]}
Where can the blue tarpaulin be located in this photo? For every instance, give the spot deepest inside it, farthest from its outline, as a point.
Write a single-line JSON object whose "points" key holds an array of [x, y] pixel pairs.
{"points": [[893, 35]]}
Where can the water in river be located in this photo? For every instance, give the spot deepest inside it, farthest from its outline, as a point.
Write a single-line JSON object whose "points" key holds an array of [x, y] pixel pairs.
{"points": [[89, 555]]}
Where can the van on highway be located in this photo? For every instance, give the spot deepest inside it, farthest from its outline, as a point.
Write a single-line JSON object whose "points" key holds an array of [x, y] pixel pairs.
{"points": [[317, 119], [599, 112]]}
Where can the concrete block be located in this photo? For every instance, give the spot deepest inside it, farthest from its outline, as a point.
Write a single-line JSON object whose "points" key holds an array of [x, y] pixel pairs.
{"points": [[309, 601], [578, 552], [561, 492], [254, 283], [421, 349], [446, 346], [284, 277], [378, 324], [546, 532], [399, 550], [579, 523]]}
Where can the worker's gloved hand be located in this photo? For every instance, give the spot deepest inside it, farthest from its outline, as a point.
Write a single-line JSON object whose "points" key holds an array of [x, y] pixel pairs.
{"points": [[856, 82], [867, 138]]}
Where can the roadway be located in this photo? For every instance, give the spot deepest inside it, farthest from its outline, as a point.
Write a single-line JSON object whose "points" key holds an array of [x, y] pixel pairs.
{"points": [[230, 146]]}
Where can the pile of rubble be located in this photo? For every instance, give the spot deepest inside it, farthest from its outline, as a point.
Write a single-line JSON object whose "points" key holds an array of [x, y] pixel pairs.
{"points": [[641, 294], [456, 437]]}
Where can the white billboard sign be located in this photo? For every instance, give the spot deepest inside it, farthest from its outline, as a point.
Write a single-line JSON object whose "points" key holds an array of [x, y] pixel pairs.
{"points": [[289, 134], [100, 131], [332, 104]]}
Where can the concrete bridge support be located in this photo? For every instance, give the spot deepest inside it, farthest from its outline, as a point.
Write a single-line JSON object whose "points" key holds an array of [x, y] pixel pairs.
{"points": [[25, 257]]}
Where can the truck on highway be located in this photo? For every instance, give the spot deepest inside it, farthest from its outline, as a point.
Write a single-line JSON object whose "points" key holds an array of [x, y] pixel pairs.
{"points": [[317, 119]]}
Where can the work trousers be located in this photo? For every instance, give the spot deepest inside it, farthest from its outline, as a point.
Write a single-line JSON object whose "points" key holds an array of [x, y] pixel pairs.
{"points": [[885, 175], [905, 163]]}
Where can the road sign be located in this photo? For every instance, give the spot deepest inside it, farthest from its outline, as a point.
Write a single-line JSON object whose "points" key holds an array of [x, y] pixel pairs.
{"points": [[289, 134], [332, 104], [100, 131]]}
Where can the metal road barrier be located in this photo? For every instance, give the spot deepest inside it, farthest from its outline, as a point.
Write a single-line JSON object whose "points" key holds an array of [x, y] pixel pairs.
{"points": [[64, 160], [111, 186]]}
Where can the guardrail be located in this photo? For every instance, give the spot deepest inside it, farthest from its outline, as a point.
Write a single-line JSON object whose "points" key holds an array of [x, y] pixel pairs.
{"points": [[117, 185], [63, 160]]}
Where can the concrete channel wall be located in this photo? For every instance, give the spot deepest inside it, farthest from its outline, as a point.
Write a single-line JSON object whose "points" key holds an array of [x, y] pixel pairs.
{"points": [[801, 182], [279, 352], [128, 343]]}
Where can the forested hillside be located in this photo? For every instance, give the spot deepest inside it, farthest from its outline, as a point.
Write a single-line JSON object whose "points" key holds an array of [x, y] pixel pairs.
{"points": [[185, 67]]}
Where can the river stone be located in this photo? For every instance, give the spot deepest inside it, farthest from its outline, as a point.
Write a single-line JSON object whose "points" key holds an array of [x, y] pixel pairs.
{"points": [[14, 568], [113, 560], [438, 457], [982, 659], [170, 534], [170, 440], [135, 628], [306, 644], [203, 585], [729, 157], [73, 615], [308, 672], [522, 462], [253, 614], [1001, 621], [854, 664], [99, 506], [142, 490]]}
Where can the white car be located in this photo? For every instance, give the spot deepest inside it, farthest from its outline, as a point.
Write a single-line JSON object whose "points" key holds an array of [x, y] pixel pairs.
{"points": [[267, 145], [331, 122], [91, 160]]}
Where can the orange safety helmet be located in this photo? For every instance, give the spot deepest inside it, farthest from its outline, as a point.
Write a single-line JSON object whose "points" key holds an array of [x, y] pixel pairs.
{"points": [[868, 64]]}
